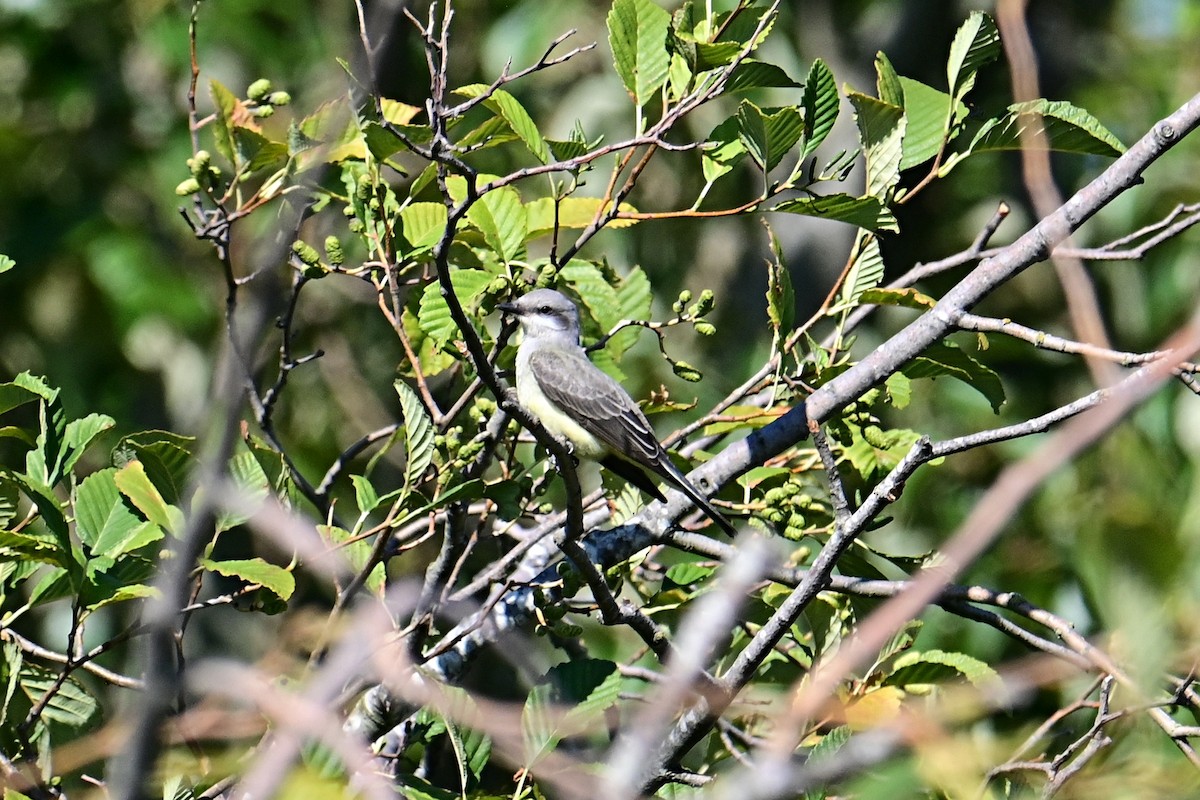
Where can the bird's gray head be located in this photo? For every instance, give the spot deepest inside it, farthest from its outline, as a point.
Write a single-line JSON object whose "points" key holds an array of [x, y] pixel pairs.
{"points": [[545, 313]]}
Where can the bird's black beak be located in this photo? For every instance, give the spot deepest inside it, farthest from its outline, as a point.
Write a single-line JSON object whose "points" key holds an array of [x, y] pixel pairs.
{"points": [[509, 308]]}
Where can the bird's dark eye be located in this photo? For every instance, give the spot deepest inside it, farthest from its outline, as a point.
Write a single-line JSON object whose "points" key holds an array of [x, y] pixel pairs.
{"points": [[544, 310]]}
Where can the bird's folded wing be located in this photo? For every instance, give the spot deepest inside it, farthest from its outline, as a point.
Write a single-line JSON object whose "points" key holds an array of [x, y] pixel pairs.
{"points": [[596, 402]]}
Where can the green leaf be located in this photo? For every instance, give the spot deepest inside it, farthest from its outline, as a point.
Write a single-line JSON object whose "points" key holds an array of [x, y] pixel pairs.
{"points": [[71, 704], [6, 263], [225, 109], [637, 34], [938, 666], [500, 217], [1057, 125], [865, 212], [9, 495], [357, 553], [876, 451], [866, 271], [43, 463], [256, 571], [587, 688], [881, 128], [905, 298], [364, 494], [106, 526], [687, 574], [572, 213], [166, 458], [723, 149], [514, 114], [434, 315], [424, 225], [79, 434], [634, 299], [947, 359], [887, 82], [252, 485], [781, 297], [976, 43], [25, 546], [418, 434], [820, 103], [769, 133], [928, 112], [754, 74]]}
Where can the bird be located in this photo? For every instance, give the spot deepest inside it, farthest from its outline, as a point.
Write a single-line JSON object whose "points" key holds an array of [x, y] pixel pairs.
{"points": [[578, 402]]}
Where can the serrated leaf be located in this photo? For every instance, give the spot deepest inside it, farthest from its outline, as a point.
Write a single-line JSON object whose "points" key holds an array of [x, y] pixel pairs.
{"points": [[166, 458], [101, 517], [78, 435], [258, 152], [754, 74], [434, 315], [9, 495], [225, 109], [252, 485], [256, 571], [25, 546], [634, 299], [976, 42], [820, 103], [418, 434], [588, 687], [875, 452], [500, 217], [881, 129], [723, 149], [928, 112], [906, 298], [938, 666], [866, 272], [887, 82], [424, 224], [826, 749], [947, 359], [637, 34], [572, 213], [781, 297], [769, 133], [687, 574], [71, 704], [514, 115], [865, 212], [1057, 125]]}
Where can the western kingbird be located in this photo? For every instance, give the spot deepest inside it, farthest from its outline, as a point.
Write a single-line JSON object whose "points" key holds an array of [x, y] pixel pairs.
{"points": [[576, 401]]}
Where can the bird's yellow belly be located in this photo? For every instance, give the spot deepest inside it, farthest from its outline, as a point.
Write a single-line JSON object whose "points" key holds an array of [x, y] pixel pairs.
{"points": [[560, 424]]}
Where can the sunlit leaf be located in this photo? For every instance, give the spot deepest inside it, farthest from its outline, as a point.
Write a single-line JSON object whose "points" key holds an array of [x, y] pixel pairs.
{"points": [[514, 114], [769, 133], [865, 212], [976, 43], [256, 571], [947, 359], [637, 34], [434, 315]]}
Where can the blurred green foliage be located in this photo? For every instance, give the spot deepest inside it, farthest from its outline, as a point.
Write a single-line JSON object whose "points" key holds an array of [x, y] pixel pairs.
{"points": [[114, 301]]}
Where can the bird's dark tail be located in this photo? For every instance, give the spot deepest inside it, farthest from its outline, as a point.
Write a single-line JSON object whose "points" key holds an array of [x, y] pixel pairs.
{"points": [[665, 469], [677, 478]]}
